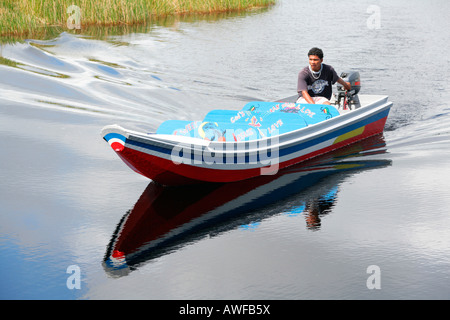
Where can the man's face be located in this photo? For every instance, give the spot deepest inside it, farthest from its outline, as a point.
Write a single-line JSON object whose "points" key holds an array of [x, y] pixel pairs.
{"points": [[315, 62]]}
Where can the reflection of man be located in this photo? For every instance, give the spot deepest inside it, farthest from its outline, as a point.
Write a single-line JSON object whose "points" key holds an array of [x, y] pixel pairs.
{"points": [[317, 208], [315, 81]]}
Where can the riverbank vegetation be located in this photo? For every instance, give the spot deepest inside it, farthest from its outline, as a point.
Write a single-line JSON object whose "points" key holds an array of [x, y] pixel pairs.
{"points": [[29, 17]]}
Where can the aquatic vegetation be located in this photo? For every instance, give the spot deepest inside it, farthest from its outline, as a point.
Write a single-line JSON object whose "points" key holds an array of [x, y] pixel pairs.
{"points": [[22, 17]]}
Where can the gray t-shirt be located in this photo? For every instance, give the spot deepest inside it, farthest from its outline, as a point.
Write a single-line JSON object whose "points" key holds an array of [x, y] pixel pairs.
{"points": [[321, 87]]}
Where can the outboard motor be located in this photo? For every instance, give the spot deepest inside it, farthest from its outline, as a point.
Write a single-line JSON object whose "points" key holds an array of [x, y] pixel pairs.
{"points": [[348, 100]]}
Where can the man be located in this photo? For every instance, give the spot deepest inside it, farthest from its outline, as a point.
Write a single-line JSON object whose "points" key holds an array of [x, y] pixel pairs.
{"points": [[315, 81]]}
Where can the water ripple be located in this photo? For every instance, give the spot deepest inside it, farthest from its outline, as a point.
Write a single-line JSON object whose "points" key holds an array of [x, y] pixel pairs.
{"points": [[90, 81]]}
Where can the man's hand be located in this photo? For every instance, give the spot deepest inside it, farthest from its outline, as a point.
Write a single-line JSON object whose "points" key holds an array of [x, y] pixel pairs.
{"points": [[346, 85]]}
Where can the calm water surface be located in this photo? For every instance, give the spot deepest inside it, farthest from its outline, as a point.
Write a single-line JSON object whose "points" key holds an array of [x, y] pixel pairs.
{"points": [[310, 232]]}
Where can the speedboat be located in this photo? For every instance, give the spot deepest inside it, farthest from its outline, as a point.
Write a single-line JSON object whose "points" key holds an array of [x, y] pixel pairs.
{"points": [[260, 139]]}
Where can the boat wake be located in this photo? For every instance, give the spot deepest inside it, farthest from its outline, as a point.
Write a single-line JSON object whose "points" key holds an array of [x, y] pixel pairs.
{"points": [[98, 78]]}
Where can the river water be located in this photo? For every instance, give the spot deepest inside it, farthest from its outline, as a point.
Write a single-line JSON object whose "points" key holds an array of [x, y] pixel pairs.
{"points": [[369, 222]]}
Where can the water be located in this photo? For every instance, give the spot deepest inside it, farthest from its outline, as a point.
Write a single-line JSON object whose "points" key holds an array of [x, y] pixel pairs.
{"points": [[310, 233]]}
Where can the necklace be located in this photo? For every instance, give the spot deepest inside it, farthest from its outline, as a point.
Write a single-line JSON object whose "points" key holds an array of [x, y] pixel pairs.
{"points": [[314, 73]]}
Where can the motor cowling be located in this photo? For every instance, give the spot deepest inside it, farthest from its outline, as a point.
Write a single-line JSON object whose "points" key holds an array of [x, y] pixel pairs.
{"points": [[348, 100], [354, 79]]}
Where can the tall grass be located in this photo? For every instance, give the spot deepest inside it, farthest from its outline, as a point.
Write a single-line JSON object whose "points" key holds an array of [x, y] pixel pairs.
{"points": [[19, 17]]}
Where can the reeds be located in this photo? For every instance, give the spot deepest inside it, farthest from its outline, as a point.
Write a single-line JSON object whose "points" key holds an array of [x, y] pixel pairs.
{"points": [[19, 17]]}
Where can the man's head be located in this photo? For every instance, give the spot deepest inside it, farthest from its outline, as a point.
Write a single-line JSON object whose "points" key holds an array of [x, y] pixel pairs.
{"points": [[315, 58]]}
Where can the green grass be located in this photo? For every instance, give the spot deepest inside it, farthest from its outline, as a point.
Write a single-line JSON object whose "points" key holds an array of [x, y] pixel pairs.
{"points": [[30, 17]]}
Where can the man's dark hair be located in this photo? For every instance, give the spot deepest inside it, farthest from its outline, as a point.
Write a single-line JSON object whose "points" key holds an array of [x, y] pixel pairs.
{"points": [[316, 52]]}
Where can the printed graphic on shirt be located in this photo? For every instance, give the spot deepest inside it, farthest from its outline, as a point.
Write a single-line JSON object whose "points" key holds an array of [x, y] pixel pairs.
{"points": [[318, 86]]}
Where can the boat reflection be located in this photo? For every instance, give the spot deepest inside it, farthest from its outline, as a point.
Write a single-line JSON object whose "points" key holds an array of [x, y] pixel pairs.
{"points": [[166, 218]]}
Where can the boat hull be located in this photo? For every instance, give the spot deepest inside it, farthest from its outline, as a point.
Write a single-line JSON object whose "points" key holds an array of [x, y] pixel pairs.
{"points": [[182, 160]]}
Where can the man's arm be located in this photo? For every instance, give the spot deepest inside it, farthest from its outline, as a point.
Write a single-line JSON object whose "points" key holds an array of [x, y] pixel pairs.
{"points": [[346, 85], [302, 87], [307, 97]]}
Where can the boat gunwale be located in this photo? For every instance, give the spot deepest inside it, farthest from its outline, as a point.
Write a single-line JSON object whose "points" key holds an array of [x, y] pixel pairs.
{"points": [[285, 140]]}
